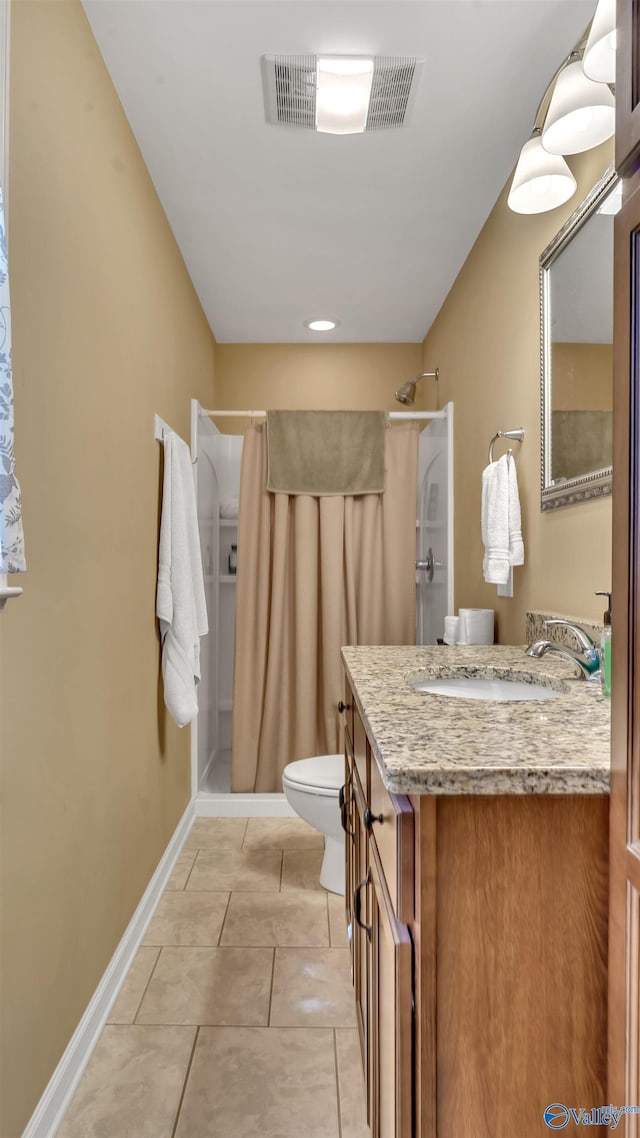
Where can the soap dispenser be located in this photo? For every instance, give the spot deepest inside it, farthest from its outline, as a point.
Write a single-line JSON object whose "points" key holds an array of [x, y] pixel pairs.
{"points": [[605, 645]]}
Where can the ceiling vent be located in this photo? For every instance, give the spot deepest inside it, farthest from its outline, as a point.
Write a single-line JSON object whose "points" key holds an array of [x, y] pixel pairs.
{"points": [[290, 90]]}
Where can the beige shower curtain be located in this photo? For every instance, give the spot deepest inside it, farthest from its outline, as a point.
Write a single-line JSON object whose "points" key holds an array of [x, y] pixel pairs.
{"points": [[313, 574]]}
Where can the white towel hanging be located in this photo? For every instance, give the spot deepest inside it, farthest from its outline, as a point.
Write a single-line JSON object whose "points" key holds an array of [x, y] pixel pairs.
{"points": [[501, 520], [495, 521], [516, 544], [180, 602]]}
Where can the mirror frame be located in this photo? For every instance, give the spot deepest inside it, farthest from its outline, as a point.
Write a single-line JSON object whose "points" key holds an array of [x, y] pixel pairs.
{"points": [[599, 482]]}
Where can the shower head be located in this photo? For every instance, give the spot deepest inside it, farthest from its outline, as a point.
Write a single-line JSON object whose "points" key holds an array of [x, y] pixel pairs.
{"points": [[407, 393]]}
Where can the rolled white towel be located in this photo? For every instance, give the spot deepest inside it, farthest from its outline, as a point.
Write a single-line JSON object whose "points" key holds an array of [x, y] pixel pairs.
{"points": [[495, 521], [450, 630], [516, 544], [228, 507], [476, 626]]}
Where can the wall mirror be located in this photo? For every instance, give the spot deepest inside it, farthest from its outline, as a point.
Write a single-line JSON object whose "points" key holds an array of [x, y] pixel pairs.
{"points": [[576, 334]]}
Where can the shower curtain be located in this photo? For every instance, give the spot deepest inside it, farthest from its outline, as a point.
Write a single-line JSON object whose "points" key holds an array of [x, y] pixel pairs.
{"points": [[313, 574]]}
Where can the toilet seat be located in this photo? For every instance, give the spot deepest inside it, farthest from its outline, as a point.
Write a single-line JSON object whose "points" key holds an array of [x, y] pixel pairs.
{"points": [[322, 775]]}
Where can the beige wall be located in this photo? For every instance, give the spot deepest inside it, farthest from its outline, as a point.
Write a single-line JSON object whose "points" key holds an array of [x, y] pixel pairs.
{"points": [[106, 331], [485, 341], [312, 376]]}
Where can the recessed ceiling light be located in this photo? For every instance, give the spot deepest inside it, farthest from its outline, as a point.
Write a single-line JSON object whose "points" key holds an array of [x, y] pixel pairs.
{"points": [[321, 325], [340, 94], [343, 90]]}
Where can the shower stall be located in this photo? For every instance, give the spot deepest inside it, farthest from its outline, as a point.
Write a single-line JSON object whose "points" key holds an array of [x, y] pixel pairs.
{"points": [[217, 472]]}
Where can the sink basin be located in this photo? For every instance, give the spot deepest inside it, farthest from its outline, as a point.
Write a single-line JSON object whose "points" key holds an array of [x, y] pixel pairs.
{"points": [[484, 687]]}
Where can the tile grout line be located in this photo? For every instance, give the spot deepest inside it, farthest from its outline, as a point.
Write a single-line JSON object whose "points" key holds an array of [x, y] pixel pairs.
{"points": [[312, 947], [210, 947], [335, 1059], [273, 971], [186, 1080], [219, 945], [146, 987], [188, 875], [193, 865]]}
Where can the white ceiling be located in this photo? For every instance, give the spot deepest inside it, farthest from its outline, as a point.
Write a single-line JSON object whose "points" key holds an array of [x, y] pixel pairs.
{"points": [[278, 225]]}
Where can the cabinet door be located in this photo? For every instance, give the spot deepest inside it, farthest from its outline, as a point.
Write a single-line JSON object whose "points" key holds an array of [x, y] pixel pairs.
{"points": [[361, 930], [346, 813], [391, 824], [391, 1012], [628, 88]]}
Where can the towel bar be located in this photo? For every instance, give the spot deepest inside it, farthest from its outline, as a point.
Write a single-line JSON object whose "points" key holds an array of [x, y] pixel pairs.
{"points": [[517, 435], [159, 430]]}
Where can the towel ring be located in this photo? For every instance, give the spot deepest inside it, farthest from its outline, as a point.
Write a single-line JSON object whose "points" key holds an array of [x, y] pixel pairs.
{"points": [[517, 435]]}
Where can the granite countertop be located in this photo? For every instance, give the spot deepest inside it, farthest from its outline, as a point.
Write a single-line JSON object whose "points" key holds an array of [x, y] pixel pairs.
{"points": [[432, 744]]}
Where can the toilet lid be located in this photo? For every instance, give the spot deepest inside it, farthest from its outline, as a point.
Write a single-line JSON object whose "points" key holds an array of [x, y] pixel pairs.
{"points": [[324, 772]]}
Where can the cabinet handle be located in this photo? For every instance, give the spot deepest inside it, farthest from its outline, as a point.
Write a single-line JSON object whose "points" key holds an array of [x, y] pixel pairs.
{"points": [[344, 803], [357, 905], [370, 818], [343, 706]]}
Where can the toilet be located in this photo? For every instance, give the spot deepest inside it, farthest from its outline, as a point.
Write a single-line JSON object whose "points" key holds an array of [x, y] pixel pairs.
{"points": [[311, 787]]}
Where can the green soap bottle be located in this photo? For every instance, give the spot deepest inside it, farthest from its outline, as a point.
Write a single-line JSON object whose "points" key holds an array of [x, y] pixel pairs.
{"points": [[605, 646]]}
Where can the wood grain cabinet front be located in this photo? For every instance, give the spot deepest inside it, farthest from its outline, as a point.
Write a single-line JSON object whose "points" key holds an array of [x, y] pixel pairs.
{"points": [[391, 999], [379, 853], [478, 929], [390, 822], [361, 929]]}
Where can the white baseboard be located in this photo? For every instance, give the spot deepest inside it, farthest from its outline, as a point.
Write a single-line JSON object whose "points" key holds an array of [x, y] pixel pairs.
{"points": [[242, 806], [50, 1111]]}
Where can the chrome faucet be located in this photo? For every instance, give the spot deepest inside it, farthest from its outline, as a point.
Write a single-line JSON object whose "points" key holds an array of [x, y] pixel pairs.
{"points": [[587, 659]]}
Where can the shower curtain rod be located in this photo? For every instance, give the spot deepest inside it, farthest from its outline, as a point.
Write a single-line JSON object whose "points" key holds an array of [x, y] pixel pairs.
{"points": [[395, 415]]}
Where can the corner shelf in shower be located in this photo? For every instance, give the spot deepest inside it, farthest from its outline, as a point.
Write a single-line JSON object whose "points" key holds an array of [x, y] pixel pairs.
{"points": [[232, 523]]}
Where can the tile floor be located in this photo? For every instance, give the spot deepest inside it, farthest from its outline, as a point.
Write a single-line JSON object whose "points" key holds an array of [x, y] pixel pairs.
{"points": [[236, 1019]]}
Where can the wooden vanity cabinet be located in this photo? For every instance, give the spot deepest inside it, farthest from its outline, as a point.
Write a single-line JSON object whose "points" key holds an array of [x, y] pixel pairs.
{"points": [[381, 944], [391, 1012], [478, 931], [356, 896]]}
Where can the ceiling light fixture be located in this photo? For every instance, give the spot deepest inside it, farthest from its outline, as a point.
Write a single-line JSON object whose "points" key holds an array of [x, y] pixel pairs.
{"points": [[338, 94], [321, 325], [574, 114], [541, 181], [581, 114], [600, 52], [343, 90]]}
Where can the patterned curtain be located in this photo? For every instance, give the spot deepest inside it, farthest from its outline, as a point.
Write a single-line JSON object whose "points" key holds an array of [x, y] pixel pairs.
{"points": [[11, 535]]}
